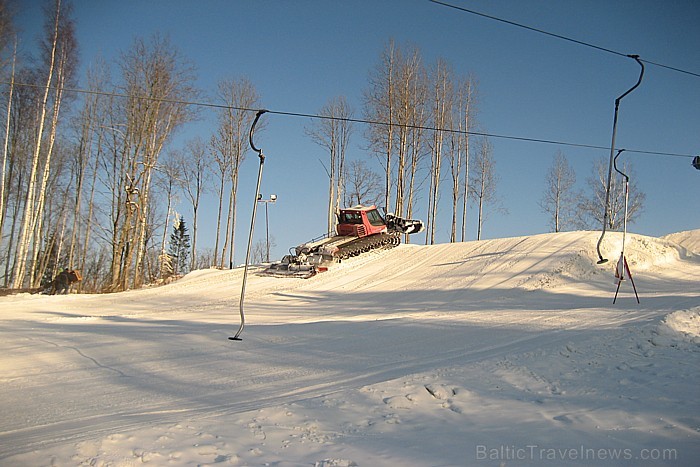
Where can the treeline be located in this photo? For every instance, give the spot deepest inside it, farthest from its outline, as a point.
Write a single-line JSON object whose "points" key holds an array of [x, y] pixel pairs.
{"points": [[89, 178], [84, 175]]}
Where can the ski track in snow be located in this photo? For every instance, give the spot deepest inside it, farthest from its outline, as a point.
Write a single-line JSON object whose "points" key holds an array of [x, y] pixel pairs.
{"points": [[455, 354]]}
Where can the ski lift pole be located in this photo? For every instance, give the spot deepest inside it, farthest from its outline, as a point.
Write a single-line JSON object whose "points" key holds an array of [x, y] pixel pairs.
{"points": [[261, 157], [627, 193], [622, 266], [602, 260]]}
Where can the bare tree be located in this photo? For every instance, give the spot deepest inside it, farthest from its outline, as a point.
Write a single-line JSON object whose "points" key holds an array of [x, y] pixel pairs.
{"points": [[558, 200], [333, 134], [591, 206], [380, 106], [362, 186], [89, 125], [22, 141], [230, 145], [410, 98], [157, 81], [222, 166], [397, 99], [29, 220], [59, 50], [66, 64], [167, 180], [442, 82], [260, 251], [412, 115], [465, 116], [483, 181], [3, 170], [194, 171]]}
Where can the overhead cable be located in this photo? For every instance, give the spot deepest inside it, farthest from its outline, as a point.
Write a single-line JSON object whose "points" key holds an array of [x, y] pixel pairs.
{"points": [[354, 120], [559, 36]]}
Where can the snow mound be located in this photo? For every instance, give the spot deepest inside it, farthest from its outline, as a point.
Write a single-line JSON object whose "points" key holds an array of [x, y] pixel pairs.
{"points": [[642, 252], [690, 240], [573, 266], [678, 331], [683, 325], [575, 258], [646, 252]]}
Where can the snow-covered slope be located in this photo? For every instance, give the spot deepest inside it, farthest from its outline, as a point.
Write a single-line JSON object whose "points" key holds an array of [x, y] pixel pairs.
{"points": [[690, 239], [500, 352]]}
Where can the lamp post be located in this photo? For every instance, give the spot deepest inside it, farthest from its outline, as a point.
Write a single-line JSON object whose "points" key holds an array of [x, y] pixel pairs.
{"points": [[272, 199]]}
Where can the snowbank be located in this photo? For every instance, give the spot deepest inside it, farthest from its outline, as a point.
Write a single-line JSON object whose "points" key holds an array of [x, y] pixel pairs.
{"points": [[683, 325], [689, 240]]}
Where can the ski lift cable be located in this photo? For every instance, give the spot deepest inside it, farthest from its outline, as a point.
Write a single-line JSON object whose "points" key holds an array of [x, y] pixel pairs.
{"points": [[559, 36], [356, 120], [475, 133]]}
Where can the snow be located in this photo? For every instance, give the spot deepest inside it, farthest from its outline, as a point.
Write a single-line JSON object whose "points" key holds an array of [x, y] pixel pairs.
{"points": [[499, 352], [688, 239]]}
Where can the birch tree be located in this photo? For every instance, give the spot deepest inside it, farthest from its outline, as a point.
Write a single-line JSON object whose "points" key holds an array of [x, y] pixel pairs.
{"points": [[483, 181], [363, 186], [221, 168], [417, 139], [380, 106], [29, 220], [156, 80], [333, 134], [92, 120], [7, 36], [22, 141], [442, 82], [590, 208], [66, 64], [230, 145], [167, 181], [194, 172], [3, 168], [465, 118], [58, 57], [396, 101], [558, 200], [411, 118], [89, 123]]}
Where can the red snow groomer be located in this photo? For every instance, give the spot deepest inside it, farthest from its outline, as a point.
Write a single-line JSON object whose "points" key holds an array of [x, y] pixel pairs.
{"points": [[359, 229]]}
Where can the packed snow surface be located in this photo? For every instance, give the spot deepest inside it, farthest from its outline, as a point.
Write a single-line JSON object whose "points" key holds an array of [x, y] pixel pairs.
{"points": [[499, 352]]}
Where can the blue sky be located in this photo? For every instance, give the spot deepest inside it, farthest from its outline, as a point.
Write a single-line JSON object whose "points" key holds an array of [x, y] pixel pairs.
{"points": [[300, 54]]}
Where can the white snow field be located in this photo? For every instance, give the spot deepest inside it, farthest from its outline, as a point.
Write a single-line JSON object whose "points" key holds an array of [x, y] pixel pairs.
{"points": [[498, 352]]}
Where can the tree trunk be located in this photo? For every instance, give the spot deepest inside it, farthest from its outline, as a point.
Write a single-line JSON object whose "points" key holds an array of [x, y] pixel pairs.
{"points": [[29, 219], [7, 142]]}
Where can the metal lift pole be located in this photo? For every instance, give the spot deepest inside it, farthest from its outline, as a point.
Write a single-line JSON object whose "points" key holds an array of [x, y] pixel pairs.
{"points": [[602, 260], [261, 156], [623, 268]]}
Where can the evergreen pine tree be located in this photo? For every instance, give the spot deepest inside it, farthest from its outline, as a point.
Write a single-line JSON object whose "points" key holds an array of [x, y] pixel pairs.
{"points": [[179, 247]]}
